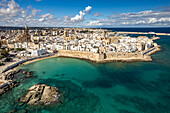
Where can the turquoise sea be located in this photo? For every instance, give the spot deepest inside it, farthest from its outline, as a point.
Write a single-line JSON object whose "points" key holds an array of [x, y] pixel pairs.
{"points": [[88, 87]]}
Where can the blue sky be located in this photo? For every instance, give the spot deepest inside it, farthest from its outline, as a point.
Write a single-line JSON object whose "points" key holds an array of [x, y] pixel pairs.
{"points": [[87, 13]]}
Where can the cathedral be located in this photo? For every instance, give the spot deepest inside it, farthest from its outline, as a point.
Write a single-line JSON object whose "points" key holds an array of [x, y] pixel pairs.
{"points": [[25, 37]]}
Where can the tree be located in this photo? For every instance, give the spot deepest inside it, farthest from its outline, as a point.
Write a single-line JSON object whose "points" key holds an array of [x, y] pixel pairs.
{"points": [[1, 56], [1, 63], [20, 49], [4, 53], [8, 59]]}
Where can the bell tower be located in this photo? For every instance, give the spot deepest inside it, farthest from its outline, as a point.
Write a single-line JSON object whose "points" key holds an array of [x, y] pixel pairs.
{"points": [[26, 29], [27, 36]]}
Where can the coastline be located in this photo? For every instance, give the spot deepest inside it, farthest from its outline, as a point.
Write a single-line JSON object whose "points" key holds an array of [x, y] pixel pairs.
{"points": [[146, 57], [111, 60], [96, 57], [6, 78], [6, 84], [35, 60], [13, 67]]}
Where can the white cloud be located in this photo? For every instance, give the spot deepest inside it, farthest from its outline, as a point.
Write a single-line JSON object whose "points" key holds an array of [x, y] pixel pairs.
{"points": [[98, 14], [87, 9], [34, 12], [13, 15], [24, 13], [38, 0], [143, 18], [13, 9], [152, 20], [80, 17], [41, 19], [47, 16], [95, 23]]}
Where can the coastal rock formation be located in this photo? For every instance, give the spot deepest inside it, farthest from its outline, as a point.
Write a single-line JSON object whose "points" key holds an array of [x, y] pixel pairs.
{"points": [[29, 74], [41, 94], [7, 81], [12, 79], [7, 86], [10, 75], [24, 72]]}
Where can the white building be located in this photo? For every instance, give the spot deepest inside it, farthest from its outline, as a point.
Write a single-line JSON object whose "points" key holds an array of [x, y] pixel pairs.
{"points": [[38, 52]]}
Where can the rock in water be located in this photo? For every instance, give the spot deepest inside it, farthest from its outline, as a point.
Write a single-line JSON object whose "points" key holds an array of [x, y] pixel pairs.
{"points": [[28, 76], [24, 72], [41, 94]]}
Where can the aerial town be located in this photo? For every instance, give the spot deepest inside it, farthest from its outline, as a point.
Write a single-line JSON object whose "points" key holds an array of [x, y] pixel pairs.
{"points": [[22, 46], [87, 43]]}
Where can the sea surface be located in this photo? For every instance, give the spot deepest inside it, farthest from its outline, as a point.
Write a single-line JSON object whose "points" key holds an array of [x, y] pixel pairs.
{"points": [[151, 29], [88, 87]]}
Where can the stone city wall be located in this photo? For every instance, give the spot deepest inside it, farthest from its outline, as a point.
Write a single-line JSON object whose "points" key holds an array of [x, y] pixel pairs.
{"points": [[102, 57], [81, 54], [123, 55]]}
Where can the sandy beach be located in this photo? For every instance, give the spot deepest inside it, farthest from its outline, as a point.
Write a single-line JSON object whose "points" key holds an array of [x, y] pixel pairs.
{"points": [[28, 62]]}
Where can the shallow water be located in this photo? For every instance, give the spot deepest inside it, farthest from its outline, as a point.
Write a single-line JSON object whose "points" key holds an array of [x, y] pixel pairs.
{"points": [[118, 87]]}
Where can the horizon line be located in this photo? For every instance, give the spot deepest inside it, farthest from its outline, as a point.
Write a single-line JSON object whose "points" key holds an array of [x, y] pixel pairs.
{"points": [[92, 27]]}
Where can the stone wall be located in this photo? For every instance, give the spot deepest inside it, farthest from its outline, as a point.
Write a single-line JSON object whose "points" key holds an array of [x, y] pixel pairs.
{"points": [[123, 55], [102, 57], [81, 54]]}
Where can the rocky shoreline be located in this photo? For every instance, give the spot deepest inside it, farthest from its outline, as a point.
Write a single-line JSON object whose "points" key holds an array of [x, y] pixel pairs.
{"points": [[7, 75], [41, 94], [9, 80], [7, 86]]}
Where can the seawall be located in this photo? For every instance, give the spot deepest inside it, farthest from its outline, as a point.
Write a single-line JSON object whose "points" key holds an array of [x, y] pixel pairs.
{"points": [[108, 57]]}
